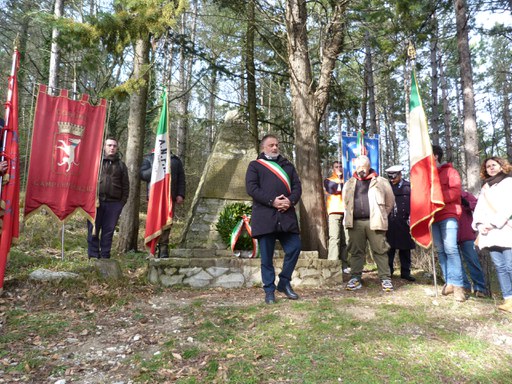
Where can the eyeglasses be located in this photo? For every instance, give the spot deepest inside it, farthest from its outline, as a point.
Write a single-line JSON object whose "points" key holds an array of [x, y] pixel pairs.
{"points": [[393, 175]]}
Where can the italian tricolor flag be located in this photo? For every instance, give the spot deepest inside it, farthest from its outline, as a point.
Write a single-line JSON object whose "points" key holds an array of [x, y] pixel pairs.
{"points": [[426, 194], [159, 215]]}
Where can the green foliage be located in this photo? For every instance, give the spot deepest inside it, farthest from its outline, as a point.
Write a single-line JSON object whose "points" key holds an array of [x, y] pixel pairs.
{"points": [[228, 219]]}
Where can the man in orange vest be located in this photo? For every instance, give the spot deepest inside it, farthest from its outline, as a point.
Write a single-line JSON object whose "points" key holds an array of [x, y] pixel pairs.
{"points": [[333, 186]]}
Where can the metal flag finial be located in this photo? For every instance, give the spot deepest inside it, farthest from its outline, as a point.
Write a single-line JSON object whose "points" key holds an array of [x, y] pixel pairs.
{"points": [[411, 51], [16, 42]]}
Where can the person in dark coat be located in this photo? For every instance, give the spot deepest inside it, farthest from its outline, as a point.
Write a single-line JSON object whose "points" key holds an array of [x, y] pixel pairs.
{"points": [[274, 185], [399, 232], [177, 193], [114, 189]]}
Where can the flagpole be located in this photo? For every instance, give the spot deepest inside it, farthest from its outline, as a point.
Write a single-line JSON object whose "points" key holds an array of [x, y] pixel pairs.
{"points": [[433, 260], [9, 100]]}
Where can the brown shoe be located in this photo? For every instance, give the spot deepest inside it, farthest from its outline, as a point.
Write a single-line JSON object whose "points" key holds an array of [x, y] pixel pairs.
{"points": [[447, 290], [459, 294], [506, 306]]}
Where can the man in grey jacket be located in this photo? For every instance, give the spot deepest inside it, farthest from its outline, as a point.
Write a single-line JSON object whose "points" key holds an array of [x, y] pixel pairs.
{"points": [[368, 201]]}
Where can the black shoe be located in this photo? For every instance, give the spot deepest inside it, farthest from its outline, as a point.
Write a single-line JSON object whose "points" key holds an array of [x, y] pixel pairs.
{"points": [[408, 278], [270, 298], [163, 251], [288, 291]]}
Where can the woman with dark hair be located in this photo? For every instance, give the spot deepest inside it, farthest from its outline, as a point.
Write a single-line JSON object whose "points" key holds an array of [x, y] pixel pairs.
{"points": [[492, 219]]}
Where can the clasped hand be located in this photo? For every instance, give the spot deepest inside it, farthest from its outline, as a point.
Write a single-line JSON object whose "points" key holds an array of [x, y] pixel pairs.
{"points": [[281, 203]]}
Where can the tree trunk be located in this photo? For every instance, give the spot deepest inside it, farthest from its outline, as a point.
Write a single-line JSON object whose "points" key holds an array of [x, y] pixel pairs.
{"points": [[53, 77], [371, 88], [506, 118], [308, 106], [447, 116], [185, 74], [434, 121], [466, 74], [250, 70], [210, 130], [129, 223]]}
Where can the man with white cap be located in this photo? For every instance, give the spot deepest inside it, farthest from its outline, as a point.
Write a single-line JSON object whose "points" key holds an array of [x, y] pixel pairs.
{"points": [[399, 234]]}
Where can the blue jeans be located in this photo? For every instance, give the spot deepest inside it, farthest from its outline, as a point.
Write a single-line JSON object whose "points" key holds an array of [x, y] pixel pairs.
{"points": [[470, 257], [502, 260], [291, 245], [445, 240]]}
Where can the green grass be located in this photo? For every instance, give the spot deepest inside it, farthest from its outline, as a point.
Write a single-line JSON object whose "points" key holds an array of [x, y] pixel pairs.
{"points": [[202, 336]]}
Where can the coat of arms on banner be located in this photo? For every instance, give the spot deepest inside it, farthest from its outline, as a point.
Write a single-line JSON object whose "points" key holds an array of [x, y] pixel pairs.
{"points": [[66, 148]]}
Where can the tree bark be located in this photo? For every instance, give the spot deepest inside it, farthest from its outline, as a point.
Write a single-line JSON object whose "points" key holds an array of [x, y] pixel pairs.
{"points": [[447, 116], [506, 118], [308, 106], [129, 223], [210, 130], [370, 85], [434, 122], [53, 76], [185, 74], [466, 75], [250, 70]]}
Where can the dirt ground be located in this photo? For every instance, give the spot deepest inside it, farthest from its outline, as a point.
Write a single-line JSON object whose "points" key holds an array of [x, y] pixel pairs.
{"points": [[98, 344]]}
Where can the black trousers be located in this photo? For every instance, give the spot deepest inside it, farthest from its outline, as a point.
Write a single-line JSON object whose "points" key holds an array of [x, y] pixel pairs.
{"points": [[405, 260]]}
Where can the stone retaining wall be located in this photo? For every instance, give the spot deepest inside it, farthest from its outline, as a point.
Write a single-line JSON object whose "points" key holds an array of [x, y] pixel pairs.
{"points": [[204, 268]]}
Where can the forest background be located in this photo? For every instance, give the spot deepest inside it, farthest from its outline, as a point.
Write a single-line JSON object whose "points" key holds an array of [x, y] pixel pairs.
{"points": [[303, 70]]}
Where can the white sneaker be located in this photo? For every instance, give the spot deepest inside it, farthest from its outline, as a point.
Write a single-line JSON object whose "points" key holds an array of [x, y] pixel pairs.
{"points": [[347, 270], [354, 284], [387, 285]]}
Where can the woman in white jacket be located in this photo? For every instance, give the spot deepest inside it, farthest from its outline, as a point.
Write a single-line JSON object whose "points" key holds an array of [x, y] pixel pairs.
{"points": [[493, 220]]}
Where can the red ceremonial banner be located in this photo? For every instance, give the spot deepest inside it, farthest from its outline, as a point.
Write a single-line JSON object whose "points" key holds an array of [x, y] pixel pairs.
{"points": [[66, 154], [10, 186]]}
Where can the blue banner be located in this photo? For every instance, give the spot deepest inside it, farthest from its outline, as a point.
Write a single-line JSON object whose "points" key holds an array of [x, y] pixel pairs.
{"points": [[350, 151]]}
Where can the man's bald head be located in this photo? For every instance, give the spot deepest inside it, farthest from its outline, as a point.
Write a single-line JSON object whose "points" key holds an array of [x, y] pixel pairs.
{"points": [[362, 164]]}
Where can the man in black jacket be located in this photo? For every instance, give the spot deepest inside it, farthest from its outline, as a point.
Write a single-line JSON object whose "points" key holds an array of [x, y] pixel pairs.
{"points": [[113, 194], [274, 185], [177, 193], [398, 234]]}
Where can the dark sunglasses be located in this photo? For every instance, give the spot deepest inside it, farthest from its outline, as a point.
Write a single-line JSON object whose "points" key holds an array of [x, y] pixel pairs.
{"points": [[393, 175]]}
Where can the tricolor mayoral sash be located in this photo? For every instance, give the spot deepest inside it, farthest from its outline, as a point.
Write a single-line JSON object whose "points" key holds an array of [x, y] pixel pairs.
{"points": [[280, 173]]}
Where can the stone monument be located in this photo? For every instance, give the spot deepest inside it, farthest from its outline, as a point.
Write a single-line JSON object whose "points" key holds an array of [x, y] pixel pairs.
{"points": [[222, 183]]}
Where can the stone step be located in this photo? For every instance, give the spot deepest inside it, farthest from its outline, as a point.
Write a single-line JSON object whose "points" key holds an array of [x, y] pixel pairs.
{"points": [[200, 268]]}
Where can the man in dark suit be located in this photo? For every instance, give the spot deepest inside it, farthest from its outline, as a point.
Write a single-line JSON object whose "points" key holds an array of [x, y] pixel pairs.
{"points": [[274, 185]]}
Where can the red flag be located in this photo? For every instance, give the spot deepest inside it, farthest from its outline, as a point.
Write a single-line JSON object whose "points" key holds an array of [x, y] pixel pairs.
{"points": [[426, 194], [160, 210], [66, 155], [11, 190]]}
